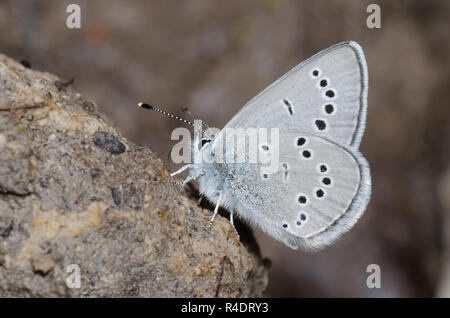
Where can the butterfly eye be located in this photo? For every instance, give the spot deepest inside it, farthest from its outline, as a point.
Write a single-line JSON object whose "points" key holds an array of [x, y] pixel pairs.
{"points": [[205, 141]]}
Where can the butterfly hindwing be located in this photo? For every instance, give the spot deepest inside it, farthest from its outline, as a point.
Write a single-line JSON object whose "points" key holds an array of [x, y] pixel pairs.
{"points": [[319, 191]]}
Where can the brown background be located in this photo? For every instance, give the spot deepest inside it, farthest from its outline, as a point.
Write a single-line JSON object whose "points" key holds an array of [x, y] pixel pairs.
{"points": [[213, 56]]}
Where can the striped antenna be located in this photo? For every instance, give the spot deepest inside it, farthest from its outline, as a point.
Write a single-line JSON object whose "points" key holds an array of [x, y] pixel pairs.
{"points": [[149, 107], [187, 111]]}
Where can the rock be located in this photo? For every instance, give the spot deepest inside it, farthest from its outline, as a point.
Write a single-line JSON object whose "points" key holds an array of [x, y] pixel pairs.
{"points": [[109, 142], [42, 264], [74, 191]]}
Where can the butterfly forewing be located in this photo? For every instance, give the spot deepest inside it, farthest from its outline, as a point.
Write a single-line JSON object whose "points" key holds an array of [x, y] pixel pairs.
{"points": [[326, 95]]}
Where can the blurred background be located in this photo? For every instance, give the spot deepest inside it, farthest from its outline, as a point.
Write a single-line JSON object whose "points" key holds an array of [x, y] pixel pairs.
{"points": [[214, 56]]}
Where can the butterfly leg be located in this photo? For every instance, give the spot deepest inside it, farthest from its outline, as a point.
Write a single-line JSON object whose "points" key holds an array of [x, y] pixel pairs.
{"points": [[181, 169], [216, 209], [232, 224], [189, 178], [200, 199]]}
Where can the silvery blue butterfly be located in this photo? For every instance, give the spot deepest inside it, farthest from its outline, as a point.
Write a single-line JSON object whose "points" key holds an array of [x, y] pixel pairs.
{"points": [[322, 185]]}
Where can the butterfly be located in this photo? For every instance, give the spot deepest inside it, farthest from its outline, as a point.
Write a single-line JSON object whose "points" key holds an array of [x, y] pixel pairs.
{"points": [[322, 185]]}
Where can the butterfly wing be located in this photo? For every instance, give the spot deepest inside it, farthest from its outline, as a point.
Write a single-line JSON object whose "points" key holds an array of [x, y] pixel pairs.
{"points": [[325, 95], [310, 200], [324, 101]]}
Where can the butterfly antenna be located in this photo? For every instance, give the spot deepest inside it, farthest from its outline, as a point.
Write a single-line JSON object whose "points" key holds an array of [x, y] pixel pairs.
{"points": [[149, 107], [187, 111]]}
